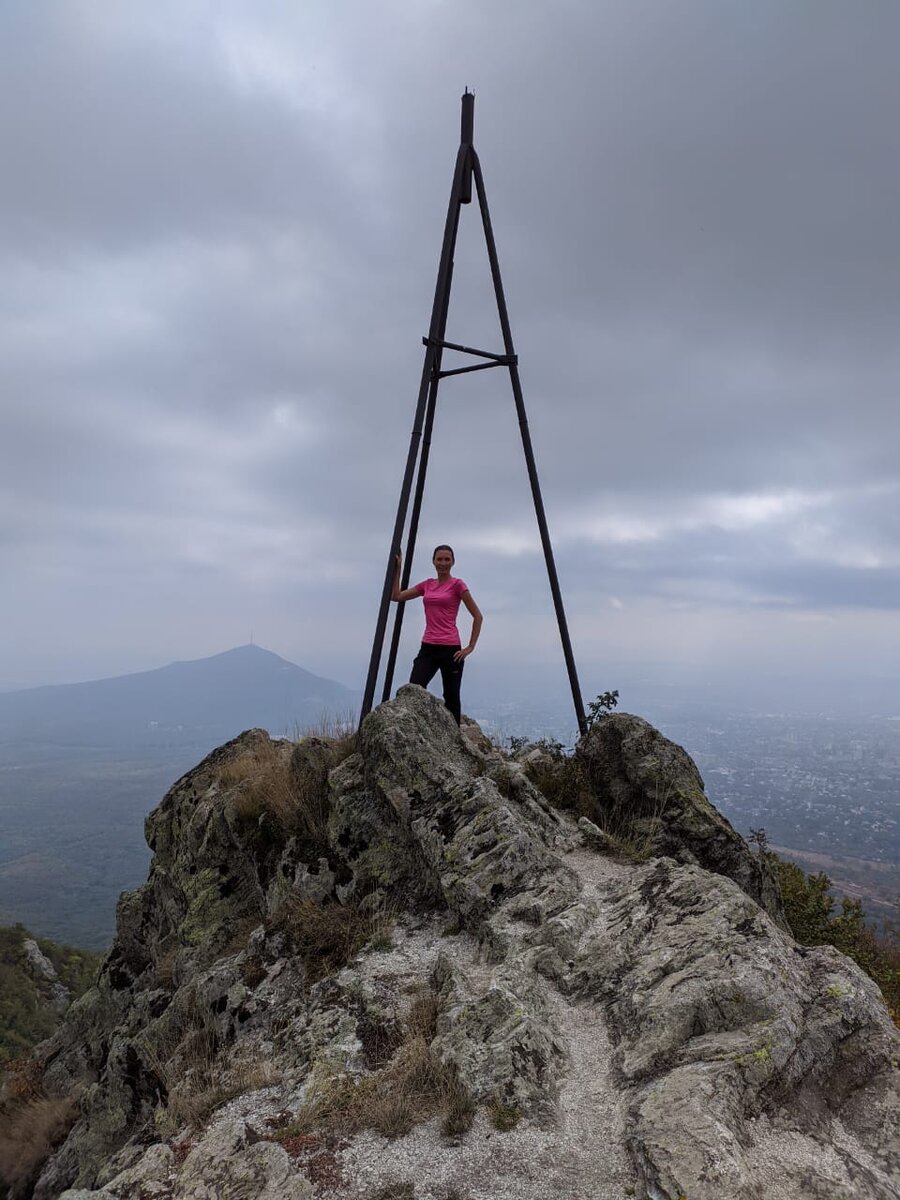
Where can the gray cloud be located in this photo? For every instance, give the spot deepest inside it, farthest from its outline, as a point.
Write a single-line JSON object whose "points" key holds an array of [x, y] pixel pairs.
{"points": [[220, 227]]}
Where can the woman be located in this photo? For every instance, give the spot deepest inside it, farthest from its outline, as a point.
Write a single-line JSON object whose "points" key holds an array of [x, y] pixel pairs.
{"points": [[441, 648]]}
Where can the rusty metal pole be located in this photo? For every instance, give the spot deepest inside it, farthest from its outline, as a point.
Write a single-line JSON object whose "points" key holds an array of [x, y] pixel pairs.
{"points": [[527, 447], [460, 193]]}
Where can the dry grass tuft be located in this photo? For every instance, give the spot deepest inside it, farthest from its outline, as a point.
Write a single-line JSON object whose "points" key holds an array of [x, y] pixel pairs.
{"points": [[333, 1105], [196, 1078], [167, 969], [30, 1131], [423, 1014], [261, 777], [410, 1091], [253, 971], [331, 727], [635, 837], [281, 787], [379, 1037], [320, 749], [241, 936], [395, 1191], [310, 765], [460, 1107], [561, 779], [413, 1087], [503, 1117], [242, 767], [194, 1099], [328, 936], [23, 1079]]}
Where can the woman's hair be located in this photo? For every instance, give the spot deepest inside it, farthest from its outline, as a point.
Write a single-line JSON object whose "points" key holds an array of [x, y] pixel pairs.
{"points": [[444, 547]]}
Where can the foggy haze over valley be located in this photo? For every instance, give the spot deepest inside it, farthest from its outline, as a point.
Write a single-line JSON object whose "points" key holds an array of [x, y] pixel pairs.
{"points": [[82, 765]]}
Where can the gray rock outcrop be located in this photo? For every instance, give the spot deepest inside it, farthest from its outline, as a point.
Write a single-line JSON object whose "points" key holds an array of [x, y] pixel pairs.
{"points": [[643, 1026], [649, 792], [44, 974], [735, 1040]]}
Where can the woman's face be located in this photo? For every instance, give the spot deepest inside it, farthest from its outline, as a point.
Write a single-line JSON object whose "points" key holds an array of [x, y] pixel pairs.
{"points": [[443, 561]]}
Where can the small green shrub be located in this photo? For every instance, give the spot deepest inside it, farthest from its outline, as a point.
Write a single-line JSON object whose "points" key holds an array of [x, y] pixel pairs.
{"points": [[601, 706], [26, 1016]]}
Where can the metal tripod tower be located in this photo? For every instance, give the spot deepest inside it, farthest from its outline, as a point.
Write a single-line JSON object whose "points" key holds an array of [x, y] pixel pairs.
{"points": [[467, 167]]}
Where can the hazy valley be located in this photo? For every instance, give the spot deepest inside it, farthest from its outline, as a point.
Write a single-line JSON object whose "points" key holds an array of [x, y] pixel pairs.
{"points": [[81, 766]]}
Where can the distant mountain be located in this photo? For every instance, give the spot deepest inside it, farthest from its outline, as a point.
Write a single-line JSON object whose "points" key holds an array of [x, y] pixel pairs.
{"points": [[82, 764], [206, 699]]}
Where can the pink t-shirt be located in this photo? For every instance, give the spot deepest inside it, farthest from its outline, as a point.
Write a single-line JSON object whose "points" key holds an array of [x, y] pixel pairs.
{"points": [[441, 607]]}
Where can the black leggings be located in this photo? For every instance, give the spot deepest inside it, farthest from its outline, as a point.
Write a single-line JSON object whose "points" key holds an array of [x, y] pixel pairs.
{"points": [[433, 658]]}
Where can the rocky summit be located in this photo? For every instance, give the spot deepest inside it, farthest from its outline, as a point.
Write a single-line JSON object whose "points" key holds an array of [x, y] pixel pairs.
{"points": [[386, 966]]}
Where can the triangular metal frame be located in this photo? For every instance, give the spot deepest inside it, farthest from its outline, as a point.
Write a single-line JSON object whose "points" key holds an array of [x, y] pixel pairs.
{"points": [[467, 167]]}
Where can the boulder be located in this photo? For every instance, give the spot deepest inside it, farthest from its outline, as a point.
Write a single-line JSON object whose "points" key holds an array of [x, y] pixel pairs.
{"points": [[731, 1036], [484, 850], [234, 1164], [501, 1040]]}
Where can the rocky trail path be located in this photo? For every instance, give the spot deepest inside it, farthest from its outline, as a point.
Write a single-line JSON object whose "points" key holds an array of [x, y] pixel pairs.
{"points": [[578, 1153]]}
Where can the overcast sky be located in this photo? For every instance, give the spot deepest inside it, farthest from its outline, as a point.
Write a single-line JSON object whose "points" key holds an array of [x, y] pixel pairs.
{"points": [[219, 232]]}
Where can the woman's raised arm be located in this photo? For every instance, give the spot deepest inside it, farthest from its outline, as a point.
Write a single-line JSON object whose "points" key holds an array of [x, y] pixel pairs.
{"points": [[407, 593]]}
